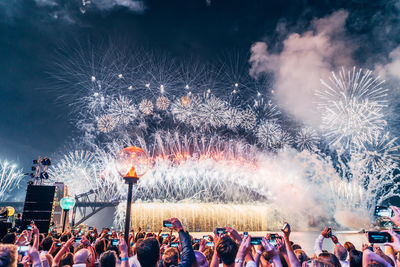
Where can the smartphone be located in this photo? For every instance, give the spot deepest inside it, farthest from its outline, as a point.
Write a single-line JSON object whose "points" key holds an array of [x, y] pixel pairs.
{"points": [[23, 250], [109, 232], [90, 228], [58, 245], [220, 231], [196, 240], [167, 223], [330, 233], [174, 244], [29, 227], [164, 235], [255, 240], [381, 211], [379, 237], [206, 237], [92, 234], [245, 233], [210, 244], [285, 226], [114, 242], [78, 239]]}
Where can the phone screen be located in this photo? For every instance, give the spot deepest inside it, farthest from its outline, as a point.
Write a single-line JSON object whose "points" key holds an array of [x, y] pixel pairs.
{"points": [[210, 244], [381, 211], [28, 227], [206, 237], [196, 240], [167, 223], [109, 232], [245, 234], [23, 250], [220, 231], [164, 235], [255, 240], [174, 244], [58, 245], [78, 239], [90, 228], [379, 237], [115, 242]]}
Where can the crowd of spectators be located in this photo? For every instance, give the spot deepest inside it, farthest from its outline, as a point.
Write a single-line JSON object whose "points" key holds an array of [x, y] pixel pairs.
{"points": [[88, 247]]}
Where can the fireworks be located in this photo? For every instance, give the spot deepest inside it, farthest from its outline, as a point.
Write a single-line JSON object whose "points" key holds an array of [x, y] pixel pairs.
{"points": [[146, 106], [352, 106], [106, 123], [269, 134], [122, 110], [209, 128], [307, 138], [162, 103], [10, 177]]}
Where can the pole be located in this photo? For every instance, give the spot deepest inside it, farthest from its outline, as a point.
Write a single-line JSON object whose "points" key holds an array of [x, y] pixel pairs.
{"points": [[65, 219], [130, 181]]}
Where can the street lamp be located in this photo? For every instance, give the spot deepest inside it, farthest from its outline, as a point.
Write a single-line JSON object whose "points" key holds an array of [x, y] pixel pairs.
{"points": [[66, 204], [131, 163]]}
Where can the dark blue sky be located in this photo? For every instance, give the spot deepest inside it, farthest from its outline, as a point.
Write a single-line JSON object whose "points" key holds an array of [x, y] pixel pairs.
{"points": [[33, 122]]}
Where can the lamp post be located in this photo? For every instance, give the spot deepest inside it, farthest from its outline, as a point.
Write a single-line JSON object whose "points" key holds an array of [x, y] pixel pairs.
{"points": [[131, 163], [66, 204]]}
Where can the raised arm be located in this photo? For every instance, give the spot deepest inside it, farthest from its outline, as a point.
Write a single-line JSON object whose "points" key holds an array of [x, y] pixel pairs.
{"points": [[293, 261]]}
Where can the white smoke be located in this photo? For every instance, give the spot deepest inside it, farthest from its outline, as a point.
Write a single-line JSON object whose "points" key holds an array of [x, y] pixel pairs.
{"points": [[392, 68], [303, 61]]}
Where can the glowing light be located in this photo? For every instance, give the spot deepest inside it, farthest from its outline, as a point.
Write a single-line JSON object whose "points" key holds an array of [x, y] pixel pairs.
{"points": [[123, 111], [146, 106], [162, 103], [106, 123], [10, 178], [93, 79], [120, 76]]}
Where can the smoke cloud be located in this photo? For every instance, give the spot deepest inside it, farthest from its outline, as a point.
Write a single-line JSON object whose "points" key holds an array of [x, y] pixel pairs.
{"points": [[392, 68], [305, 59]]}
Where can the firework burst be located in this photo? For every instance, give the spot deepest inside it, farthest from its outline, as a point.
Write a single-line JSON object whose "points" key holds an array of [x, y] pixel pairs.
{"points": [[106, 123], [269, 134], [10, 177], [146, 106], [307, 138], [122, 110], [351, 104]]}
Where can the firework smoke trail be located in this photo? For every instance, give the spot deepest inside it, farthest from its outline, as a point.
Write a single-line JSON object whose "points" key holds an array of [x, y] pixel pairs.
{"points": [[200, 125], [352, 105], [10, 177]]}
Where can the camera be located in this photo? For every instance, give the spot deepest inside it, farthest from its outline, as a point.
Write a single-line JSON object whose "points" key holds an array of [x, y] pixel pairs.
{"points": [[381, 211], [379, 237], [220, 231]]}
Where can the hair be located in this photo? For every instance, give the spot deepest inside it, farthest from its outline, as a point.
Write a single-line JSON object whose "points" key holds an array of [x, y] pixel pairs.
{"points": [[108, 259], [67, 259], [318, 263], [99, 247], [81, 256], [227, 249], [113, 248], [301, 255], [46, 243], [340, 252], [329, 258], [148, 252], [208, 252], [349, 246], [170, 257], [9, 239], [374, 264], [355, 258], [296, 246], [8, 255], [138, 236], [64, 238]]}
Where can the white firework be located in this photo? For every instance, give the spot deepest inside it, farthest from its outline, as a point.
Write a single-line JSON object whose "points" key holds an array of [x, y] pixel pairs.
{"points": [[351, 105], [234, 118], [269, 134], [286, 140], [306, 138], [382, 153], [162, 103], [213, 111], [10, 178], [106, 123], [146, 106], [186, 110], [249, 119], [81, 172], [353, 123], [123, 110]]}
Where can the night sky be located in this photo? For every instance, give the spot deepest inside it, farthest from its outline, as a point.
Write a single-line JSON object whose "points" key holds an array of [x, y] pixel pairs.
{"points": [[33, 122]]}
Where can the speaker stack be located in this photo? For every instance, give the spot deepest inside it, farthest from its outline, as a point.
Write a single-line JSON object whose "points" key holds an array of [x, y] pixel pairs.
{"points": [[39, 207]]}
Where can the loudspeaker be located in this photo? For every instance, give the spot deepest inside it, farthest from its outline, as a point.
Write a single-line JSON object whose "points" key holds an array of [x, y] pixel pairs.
{"points": [[39, 207]]}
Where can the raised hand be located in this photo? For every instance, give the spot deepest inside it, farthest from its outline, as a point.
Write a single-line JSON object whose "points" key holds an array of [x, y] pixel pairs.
{"points": [[396, 217], [176, 224], [325, 232], [286, 230]]}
